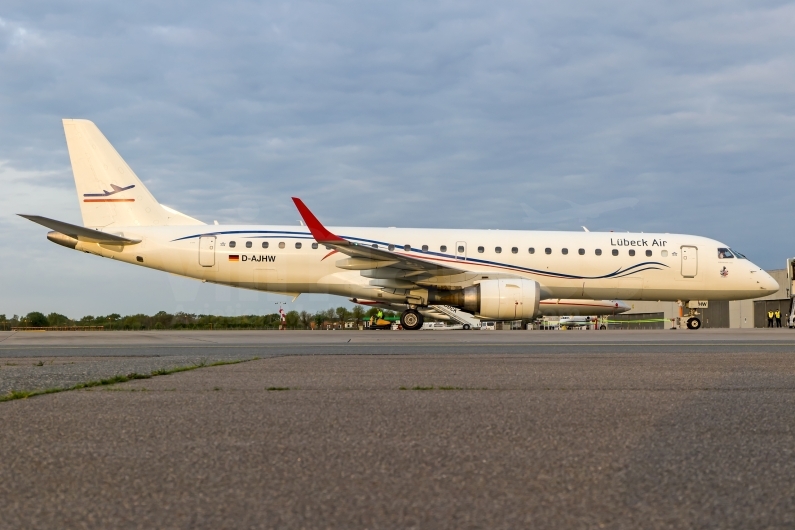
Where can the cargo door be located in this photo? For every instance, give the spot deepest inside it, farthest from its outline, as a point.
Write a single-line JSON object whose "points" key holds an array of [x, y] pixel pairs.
{"points": [[689, 262], [207, 251]]}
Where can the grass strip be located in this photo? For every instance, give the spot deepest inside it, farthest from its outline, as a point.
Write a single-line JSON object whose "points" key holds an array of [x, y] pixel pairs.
{"points": [[24, 394]]}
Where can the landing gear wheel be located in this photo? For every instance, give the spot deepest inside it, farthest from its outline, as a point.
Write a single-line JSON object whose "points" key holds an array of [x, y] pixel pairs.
{"points": [[411, 319], [693, 323], [466, 326], [602, 327]]}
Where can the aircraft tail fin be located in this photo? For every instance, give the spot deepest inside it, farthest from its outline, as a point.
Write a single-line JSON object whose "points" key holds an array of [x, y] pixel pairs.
{"points": [[110, 193]]}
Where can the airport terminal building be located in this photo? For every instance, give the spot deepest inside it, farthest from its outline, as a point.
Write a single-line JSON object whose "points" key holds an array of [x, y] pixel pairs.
{"points": [[719, 313]]}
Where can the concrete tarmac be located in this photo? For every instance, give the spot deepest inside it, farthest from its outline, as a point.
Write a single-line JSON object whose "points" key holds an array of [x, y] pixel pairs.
{"points": [[493, 430], [39, 360]]}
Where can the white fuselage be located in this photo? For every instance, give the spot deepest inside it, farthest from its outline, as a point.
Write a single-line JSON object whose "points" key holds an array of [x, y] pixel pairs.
{"points": [[565, 264]]}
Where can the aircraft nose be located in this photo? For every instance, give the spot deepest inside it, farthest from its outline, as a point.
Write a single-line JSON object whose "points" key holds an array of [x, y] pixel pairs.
{"points": [[621, 306], [766, 282]]}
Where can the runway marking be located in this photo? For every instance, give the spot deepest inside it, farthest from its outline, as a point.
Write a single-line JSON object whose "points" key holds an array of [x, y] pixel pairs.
{"points": [[12, 334]]}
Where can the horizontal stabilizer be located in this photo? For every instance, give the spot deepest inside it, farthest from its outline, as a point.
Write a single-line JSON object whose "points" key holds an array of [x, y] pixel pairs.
{"points": [[80, 233]]}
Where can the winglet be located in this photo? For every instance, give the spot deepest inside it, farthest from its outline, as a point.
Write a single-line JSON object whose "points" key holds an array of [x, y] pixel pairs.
{"points": [[319, 232]]}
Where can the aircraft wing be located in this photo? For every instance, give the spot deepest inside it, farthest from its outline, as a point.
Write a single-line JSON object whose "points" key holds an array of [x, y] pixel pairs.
{"points": [[367, 257], [80, 233]]}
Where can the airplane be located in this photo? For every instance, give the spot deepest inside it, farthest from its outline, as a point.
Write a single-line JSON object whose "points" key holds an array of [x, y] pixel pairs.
{"points": [[116, 189], [569, 322], [546, 308], [563, 307], [494, 275]]}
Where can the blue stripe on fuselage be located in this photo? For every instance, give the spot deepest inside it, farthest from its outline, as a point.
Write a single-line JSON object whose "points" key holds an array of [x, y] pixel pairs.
{"points": [[619, 273]]}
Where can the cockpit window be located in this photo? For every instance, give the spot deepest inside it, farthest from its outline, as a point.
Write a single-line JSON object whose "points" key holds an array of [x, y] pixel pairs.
{"points": [[738, 255], [725, 253]]}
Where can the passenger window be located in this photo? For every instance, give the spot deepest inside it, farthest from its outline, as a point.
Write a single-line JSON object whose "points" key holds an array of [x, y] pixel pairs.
{"points": [[581, 252], [281, 244], [375, 246], [391, 247], [248, 244], [598, 251], [498, 249], [565, 251], [514, 250], [407, 248], [443, 248], [632, 252], [648, 253], [725, 253], [265, 244], [547, 250], [531, 250], [232, 244], [460, 249], [298, 245], [615, 252], [481, 250], [314, 245], [664, 253], [425, 248]]}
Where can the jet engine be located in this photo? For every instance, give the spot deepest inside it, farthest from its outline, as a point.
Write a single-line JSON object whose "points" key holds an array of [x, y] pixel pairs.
{"points": [[500, 299]]}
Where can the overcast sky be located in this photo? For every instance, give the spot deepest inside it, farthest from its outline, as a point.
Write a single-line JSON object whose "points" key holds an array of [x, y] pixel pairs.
{"points": [[428, 114]]}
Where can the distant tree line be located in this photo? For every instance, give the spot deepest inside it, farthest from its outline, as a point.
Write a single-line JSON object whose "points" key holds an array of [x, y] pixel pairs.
{"points": [[162, 320]]}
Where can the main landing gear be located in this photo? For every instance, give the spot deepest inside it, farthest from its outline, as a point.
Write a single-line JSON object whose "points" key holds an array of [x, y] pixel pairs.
{"points": [[411, 319]]}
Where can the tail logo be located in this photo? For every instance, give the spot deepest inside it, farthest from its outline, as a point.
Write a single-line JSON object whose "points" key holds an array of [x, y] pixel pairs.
{"points": [[104, 194]]}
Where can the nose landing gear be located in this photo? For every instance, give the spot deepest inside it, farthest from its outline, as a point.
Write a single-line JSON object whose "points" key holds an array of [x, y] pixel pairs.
{"points": [[693, 323], [411, 319]]}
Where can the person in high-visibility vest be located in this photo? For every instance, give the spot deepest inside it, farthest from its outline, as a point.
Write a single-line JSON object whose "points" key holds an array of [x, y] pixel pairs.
{"points": [[778, 318], [770, 319]]}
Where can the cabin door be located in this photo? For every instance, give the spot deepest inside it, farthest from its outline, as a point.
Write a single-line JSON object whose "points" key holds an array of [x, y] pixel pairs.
{"points": [[207, 251], [689, 262]]}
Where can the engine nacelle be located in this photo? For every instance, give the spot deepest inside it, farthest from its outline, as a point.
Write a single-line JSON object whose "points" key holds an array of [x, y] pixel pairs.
{"points": [[509, 299], [61, 239], [499, 299]]}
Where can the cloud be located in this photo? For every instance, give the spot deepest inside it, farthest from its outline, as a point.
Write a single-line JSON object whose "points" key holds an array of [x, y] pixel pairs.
{"points": [[16, 37], [417, 113]]}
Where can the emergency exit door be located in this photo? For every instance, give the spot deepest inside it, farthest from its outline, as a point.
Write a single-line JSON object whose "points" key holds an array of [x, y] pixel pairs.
{"points": [[207, 251], [689, 262]]}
